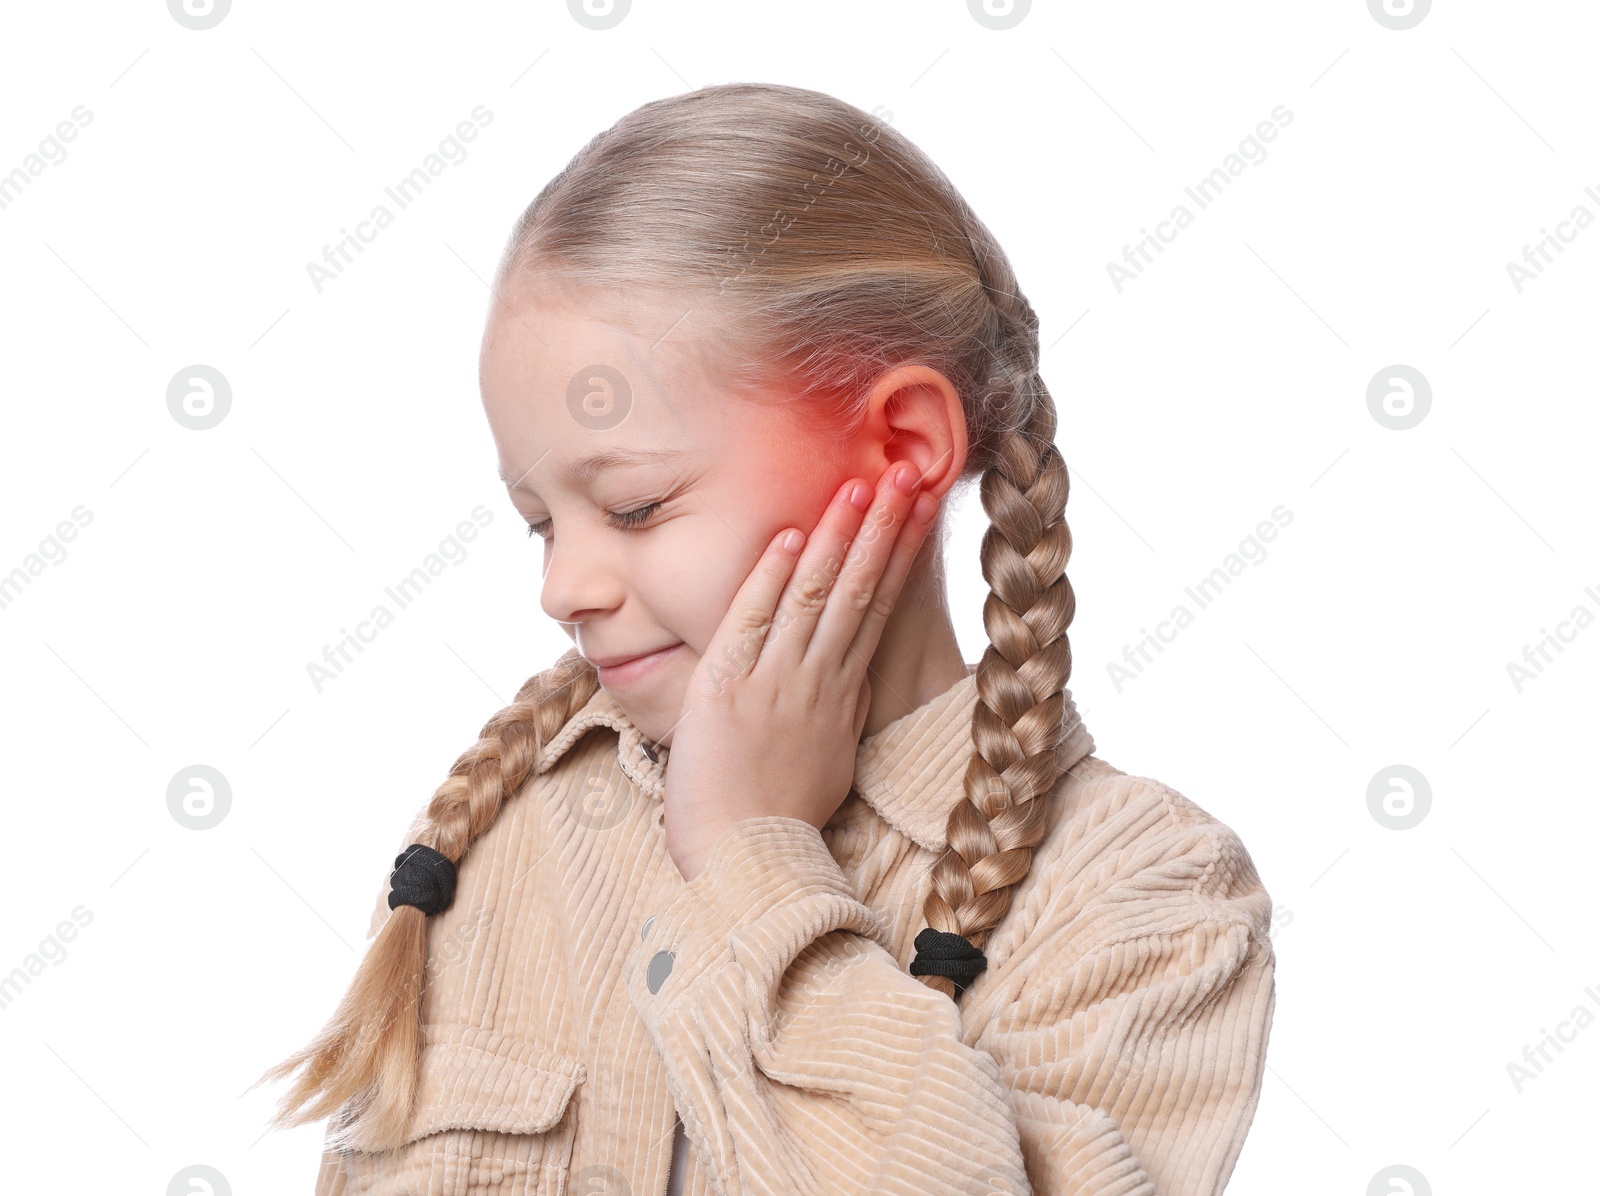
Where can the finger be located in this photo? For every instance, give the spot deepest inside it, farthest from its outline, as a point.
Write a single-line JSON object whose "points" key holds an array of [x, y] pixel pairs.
{"points": [[863, 704], [906, 546], [806, 594], [737, 643], [855, 593]]}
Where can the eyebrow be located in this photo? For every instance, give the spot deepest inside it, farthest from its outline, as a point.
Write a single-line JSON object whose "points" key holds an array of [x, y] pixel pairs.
{"points": [[587, 468]]}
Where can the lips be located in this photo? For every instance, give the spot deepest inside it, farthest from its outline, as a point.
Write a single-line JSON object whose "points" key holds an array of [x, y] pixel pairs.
{"points": [[611, 662]]}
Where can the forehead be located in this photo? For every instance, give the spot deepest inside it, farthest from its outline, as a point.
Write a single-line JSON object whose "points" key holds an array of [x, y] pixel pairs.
{"points": [[579, 382], [585, 469], [538, 333]]}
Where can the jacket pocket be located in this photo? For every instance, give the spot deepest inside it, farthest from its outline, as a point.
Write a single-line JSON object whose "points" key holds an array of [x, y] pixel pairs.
{"points": [[494, 1117]]}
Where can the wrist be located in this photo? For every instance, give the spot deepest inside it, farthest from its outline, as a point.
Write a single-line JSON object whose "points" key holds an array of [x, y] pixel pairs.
{"points": [[691, 848]]}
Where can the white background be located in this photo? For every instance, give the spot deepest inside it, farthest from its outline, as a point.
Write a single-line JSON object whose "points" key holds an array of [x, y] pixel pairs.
{"points": [[1229, 377]]}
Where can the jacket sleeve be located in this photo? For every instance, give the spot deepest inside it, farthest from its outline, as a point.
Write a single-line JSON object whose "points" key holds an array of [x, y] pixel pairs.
{"points": [[1134, 1054], [801, 1057]]}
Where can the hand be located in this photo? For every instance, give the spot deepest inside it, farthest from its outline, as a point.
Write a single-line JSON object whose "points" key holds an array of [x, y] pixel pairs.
{"points": [[774, 710]]}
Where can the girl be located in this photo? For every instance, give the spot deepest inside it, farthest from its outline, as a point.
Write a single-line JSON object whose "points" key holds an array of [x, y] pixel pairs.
{"points": [[762, 888]]}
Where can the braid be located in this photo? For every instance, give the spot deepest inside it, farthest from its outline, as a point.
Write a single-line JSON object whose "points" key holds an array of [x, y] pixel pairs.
{"points": [[363, 1064], [1017, 724]]}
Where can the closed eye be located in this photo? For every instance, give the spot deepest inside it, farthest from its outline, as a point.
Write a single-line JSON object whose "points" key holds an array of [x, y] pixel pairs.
{"points": [[636, 517], [622, 520]]}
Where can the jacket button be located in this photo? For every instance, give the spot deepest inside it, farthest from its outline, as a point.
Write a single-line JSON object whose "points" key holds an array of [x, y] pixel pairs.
{"points": [[644, 930], [658, 971]]}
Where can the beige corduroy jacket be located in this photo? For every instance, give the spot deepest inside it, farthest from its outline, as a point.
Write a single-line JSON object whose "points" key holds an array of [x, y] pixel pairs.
{"points": [[582, 998]]}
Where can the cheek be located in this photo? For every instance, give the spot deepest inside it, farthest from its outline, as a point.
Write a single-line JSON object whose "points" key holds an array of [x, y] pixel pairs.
{"points": [[695, 574]]}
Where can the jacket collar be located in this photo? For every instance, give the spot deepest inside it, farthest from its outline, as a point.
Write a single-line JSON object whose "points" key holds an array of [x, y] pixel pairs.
{"points": [[910, 771]]}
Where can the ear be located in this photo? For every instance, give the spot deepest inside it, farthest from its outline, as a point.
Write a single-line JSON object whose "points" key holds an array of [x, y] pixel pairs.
{"points": [[914, 414]]}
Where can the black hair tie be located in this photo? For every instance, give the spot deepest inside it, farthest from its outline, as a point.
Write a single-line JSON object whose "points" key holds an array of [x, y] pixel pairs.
{"points": [[940, 953], [424, 878]]}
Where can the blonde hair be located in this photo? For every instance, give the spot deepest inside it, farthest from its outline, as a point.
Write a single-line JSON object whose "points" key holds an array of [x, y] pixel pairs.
{"points": [[830, 249]]}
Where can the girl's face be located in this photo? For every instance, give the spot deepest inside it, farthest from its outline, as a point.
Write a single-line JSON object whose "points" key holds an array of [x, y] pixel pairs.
{"points": [[652, 488]]}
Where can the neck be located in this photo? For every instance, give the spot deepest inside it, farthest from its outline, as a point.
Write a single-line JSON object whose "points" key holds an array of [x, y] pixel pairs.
{"points": [[918, 657]]}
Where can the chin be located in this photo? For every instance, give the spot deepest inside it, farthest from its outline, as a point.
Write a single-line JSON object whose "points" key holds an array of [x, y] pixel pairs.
{"points": [[655, 729], [655, 714]]}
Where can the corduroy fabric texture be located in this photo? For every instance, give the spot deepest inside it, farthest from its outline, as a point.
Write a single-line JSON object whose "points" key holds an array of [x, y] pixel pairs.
{"points": [[582, 997]]}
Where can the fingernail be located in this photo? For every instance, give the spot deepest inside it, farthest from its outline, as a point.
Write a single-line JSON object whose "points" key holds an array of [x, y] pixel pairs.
{"points": [[792, 542], [924, 507], [860, 496], [907, 480]]}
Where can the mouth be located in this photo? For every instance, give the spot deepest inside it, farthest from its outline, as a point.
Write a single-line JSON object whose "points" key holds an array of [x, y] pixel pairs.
{"points": [[622, 670]]}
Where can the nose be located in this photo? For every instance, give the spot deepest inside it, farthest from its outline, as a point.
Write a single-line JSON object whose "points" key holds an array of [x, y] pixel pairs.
{"points": [[581, 579]]}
